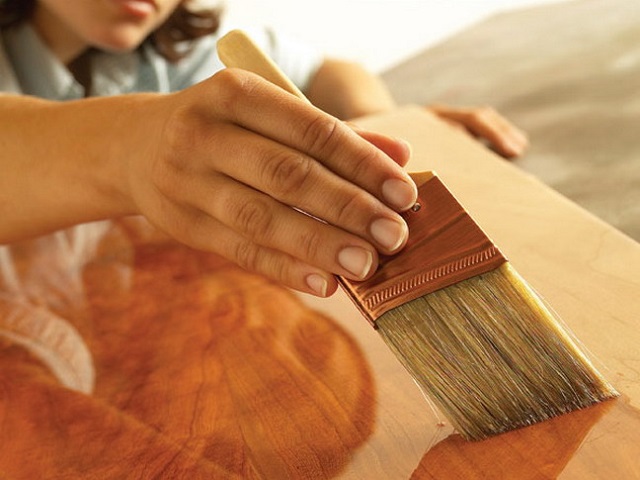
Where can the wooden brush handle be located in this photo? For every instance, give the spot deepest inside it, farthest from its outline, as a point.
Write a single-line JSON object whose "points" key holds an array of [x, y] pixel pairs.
{"points": [[237, 50]]}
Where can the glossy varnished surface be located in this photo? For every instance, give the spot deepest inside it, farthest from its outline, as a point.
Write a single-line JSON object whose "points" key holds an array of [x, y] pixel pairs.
{"points": [[205, 371]]}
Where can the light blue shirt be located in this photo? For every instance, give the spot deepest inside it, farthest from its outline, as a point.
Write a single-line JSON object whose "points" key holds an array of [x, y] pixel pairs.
{"points": [[28, 67]]}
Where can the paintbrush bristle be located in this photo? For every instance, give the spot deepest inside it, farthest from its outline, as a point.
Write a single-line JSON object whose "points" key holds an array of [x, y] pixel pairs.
{"points": [[491, 355]]}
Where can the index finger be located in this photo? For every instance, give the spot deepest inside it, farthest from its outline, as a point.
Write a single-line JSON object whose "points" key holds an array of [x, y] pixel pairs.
{"points": [[257, 105]]}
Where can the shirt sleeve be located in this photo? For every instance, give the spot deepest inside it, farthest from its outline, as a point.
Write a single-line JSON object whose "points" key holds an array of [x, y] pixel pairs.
{"points": [[298, 60]]}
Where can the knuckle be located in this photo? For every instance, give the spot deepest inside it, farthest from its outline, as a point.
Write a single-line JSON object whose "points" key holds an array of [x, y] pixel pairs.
{"points": [[360, 165], [230, 80], [483, 114], [280, 270], [320, 135], [286, 172], [253, 218], [310, 242], [233, 85], [246, 255], [253, 258], [349, 211]]}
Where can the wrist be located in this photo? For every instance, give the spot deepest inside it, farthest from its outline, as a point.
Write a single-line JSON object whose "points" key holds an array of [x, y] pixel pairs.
{"points": [[65, 163], [134, 123]]}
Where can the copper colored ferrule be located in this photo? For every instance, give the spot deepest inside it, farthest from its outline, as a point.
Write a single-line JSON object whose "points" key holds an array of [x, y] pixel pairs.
{"points": [[445, 247]]}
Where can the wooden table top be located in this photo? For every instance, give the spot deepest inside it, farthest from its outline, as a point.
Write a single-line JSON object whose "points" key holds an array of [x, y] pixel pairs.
{"points": [[203, 370], [565, 72]]}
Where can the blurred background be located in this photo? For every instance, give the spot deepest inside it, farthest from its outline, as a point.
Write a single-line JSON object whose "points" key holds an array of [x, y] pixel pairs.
{"points": [[567, 72], [377, 33]]}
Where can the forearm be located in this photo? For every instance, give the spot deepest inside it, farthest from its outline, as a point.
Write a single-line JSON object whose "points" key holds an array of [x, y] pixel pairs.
{"points": [[347, 90], [61, 163], [226, 166]]}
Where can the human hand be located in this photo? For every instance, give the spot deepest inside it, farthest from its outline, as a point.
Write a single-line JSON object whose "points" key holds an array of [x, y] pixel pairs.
{"points": [[487, 124], [231, 164]]}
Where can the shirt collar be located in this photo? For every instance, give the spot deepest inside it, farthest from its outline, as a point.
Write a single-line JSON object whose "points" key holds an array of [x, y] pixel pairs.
{"points": [[38, 71], [41, 74], [114, 73]]}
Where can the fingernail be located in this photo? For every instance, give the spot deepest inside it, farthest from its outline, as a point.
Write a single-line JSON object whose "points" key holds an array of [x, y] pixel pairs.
{"points": [[390, 234], [406, 145], [521, 137], [517, 141], [514, 148], [317, 284], [399, 193], [356, 260]]}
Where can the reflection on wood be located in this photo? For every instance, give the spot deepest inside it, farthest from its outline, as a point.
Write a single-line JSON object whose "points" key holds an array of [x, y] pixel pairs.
{"points": [[47, 431], [612, 449], [202, 370], [539, 451], [543, 451]]}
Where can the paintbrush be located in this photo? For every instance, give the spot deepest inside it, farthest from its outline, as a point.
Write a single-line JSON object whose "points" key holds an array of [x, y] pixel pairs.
{"points": [[462, 321]]}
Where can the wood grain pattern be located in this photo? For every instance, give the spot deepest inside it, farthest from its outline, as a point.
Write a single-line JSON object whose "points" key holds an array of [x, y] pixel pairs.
{"points": [[542, 451], [200, 368], [205, 371]]}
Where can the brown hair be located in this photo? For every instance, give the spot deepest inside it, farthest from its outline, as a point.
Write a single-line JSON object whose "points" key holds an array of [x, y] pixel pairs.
{"points": [[171, 39]]}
